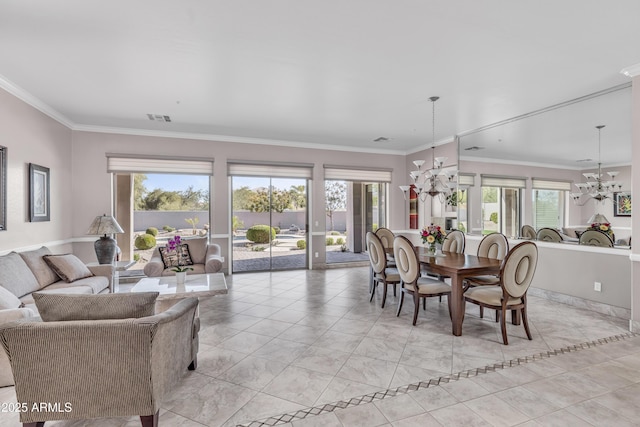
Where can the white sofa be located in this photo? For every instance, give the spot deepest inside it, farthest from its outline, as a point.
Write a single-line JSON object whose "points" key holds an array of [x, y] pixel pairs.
{"points": [[27, 272], [206, 259]]}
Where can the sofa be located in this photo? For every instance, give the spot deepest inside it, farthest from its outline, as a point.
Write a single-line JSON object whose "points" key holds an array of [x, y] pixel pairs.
{"points": [[204, 258], [128, 360], [23, 273]]}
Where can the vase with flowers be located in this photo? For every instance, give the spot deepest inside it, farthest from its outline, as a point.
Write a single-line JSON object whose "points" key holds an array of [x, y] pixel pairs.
{"points": [[432, 235], [603, 227], [174, 249]]}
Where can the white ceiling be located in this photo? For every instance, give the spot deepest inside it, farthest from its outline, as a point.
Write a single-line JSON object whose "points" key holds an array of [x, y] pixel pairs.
{"points": [[333, 73]]}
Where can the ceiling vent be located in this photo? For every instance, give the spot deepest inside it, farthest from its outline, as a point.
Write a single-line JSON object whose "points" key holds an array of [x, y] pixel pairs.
{"points": [[474, 148], [584, 160], [381, 139], [159, 118]]}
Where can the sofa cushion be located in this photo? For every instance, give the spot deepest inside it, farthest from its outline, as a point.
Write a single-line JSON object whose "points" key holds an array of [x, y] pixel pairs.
{"points": [[180, 256], [39, 267], [15, 275], [62, 307], [68, 267], [198, 249], [8, 300], [59, 287]]}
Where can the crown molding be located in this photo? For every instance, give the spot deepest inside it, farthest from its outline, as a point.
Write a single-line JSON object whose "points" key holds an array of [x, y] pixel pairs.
{"points": [[517, 162], [36, 103], [631, 71]]}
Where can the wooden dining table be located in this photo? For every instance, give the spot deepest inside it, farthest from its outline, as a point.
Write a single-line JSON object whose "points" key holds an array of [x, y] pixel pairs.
{"points": [[458, 267]]}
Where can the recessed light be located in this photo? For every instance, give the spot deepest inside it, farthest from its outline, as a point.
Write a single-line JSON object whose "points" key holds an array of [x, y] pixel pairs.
{"points": [[159, 118]]}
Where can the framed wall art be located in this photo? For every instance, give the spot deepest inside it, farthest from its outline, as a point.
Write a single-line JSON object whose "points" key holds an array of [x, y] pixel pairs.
{"points": [[621, 204], [39, 204]]}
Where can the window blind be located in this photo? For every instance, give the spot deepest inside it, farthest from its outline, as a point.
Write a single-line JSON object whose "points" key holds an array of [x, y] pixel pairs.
{"points": [[344, 173], [503, 181], [468, 180], [279, 170], [125, 163], [547, 184]]}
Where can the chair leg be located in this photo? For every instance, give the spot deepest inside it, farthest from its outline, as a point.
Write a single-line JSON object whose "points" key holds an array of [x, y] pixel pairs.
{"points": [[416, 308], [440, 298], [481, 312], [400, 303], [150, 420], [525, 322], [373, 290], [36, 424], [449, 304], [395, 285], [497, 315], [384, 294], [424, 303], [503, 326], [194, 364]]}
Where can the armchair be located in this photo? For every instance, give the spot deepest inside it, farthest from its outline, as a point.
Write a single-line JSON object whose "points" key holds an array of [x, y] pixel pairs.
{"points": [[100, 368], [206, 259]]}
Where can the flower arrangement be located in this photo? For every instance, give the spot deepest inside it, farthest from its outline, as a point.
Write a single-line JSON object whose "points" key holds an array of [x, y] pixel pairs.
{"points": [[432, 234], [604, 227], [173, 246]]}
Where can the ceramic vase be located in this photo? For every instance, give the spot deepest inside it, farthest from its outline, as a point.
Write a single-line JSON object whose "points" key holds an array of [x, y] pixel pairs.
{"points": [[180, 277]]}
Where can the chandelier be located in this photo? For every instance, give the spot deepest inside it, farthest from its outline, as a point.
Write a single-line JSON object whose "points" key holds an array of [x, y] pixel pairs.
{"points": [[437, 181]]}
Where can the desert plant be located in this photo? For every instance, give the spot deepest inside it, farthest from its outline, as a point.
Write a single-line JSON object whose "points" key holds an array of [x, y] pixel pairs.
{"points": [[152, 230], [145, 241], [258, 248], [339, 241], [260, 234], [168, 228], [277, 229], [136, 257], [193, 222], [493, 217], [329, 241], [343, 248], [335, 233], [236, 223], [301, 244]]}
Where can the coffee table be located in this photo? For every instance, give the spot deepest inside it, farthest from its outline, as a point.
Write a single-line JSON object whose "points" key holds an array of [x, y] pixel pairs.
{"points": [[195, 285]]}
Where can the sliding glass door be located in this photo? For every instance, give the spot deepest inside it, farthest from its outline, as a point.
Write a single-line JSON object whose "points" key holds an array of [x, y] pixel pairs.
{"points": [[269, 223]]}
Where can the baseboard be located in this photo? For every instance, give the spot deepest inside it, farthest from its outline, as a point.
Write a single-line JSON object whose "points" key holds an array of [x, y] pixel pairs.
{"points": [[598, 307]]}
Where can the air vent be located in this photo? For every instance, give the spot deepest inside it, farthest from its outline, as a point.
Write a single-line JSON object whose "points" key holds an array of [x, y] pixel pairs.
{"points": [[584, 160], [159, 118], [474, 148], [381, 139]]}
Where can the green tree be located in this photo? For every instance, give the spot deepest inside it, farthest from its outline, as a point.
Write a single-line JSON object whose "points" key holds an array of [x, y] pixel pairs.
{"points": [[264, 201], [490, 194], [241, 198], [335, 198], [298, 196], [139, 190], [160, 200]]}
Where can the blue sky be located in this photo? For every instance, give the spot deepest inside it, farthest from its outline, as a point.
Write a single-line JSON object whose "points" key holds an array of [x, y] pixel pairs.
{"points": [[172, 182]]}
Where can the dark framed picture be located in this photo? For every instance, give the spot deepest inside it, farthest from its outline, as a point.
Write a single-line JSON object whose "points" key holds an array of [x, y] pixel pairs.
{"points": [[39, 193], [621, 204]]}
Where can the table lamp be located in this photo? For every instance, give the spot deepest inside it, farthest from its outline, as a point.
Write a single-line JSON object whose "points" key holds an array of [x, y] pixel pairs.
{"points": [[105, 246]]}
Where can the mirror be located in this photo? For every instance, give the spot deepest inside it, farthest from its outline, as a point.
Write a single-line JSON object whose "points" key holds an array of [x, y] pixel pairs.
{"points": [[557, 143], [3, 188]]}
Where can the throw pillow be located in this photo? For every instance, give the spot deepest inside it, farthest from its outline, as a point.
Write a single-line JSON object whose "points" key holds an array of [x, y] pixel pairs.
{"points": [[62, 307], [68, 267], [8, 300], [34, 259], [16, 276], [180, 256]]}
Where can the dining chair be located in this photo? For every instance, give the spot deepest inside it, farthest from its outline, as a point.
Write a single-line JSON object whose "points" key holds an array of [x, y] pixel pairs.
{"points": [[496, 246], [596, 238], [386, 237], [413, 283], [454, 242], [548, 235], [527, 232], [516, 274], [381, 273]]}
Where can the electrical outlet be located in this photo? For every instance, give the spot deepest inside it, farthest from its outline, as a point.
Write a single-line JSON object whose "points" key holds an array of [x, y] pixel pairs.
{"points": [[597, 286], [317, 255]]}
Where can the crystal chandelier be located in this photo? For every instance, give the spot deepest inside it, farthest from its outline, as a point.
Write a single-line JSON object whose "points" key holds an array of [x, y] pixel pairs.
{"points": [[437, 181], [595, 188]]}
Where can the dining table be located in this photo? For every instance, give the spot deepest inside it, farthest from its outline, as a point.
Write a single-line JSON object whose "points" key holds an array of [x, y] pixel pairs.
{"points": [[457, 267]]}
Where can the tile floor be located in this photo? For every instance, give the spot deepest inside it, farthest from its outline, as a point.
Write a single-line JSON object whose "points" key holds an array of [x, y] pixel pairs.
{"points": [[306, 348]]}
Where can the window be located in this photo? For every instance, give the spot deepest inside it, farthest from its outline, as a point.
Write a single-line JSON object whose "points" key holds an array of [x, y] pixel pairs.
{"points": [[549, 202]]}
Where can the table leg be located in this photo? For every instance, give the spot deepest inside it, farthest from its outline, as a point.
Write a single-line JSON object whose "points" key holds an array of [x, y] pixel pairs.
{"points": [[457, 305]]}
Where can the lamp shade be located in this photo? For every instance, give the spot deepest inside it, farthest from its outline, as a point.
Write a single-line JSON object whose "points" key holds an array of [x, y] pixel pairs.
{"points": [[596, 217], [103, 225]]}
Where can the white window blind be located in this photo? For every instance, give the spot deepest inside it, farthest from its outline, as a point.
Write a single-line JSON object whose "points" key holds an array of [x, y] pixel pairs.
{"points": [[279, 170], [503, 181], [547, 184], [466, 180], [343, 173], [125, 163]]}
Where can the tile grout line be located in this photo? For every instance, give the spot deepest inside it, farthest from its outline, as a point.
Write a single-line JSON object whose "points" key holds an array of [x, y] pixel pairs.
{"points": [[371, 397]]}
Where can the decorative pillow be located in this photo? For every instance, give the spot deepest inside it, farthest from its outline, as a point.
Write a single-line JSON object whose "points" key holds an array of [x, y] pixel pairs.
{"points": [[34, 259], [68, 267], [62, 307], [8, 300], [180, 256], [15, 275]]}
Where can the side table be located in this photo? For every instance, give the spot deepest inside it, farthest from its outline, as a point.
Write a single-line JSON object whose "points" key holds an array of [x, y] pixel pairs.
{"points": [[119, 266]]}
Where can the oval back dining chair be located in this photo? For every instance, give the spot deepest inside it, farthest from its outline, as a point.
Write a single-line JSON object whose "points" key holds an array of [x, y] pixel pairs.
{"points": [[418, 287], [496, 246], [548, 235], [516, 274], [528, 232], [381, 272], [386, 236], [454, 242], [596, 238]]}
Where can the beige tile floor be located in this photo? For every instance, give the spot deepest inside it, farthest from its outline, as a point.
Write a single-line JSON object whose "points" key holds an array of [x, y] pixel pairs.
{"points": [[306, 348]]}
